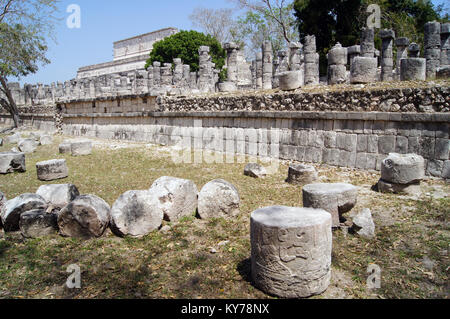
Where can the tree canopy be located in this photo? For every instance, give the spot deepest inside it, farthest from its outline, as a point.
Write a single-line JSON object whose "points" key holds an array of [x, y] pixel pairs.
{"points": [[185, 45], [341, 21]]}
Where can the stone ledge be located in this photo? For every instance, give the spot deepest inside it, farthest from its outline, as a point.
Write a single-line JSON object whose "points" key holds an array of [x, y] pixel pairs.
{"points": [[353, 116]]}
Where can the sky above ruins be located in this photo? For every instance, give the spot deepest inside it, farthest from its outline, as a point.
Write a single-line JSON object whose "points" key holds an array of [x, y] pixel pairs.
{"points": [[104, 22]]}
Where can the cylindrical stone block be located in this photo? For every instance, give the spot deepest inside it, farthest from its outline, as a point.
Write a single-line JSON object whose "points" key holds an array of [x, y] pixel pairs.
{"points": [[336, 199], [267, 65], [81, 148], [291, 251], [368, 42], [413, 69], [302, 174], [290, 80], [52, 170], [364, 70], [337, 74], [337, 55], [432, 35]]}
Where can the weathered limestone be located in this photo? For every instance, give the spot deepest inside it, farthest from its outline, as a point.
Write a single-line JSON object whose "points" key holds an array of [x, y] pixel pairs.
{"points": [[232, 63], [291, 251], [337, 60], [259, 70], [177, 197], [290, 80], [58, 195], [27, 146], [311, 61], [13, 139], [413, 69], [157, 73], [353, 52], [65, 148], [363, 224], [1, 142], [11, 162], [12, 209], [393, 188], [336, 199], [205, 73], [81, 148], [445, 44], [3, 200], [368, 42], [227, 86], [267, 65], [403, 168], [364, 70], [432, 44], [166, 75], [295, 61], [387, 55], [52, 170], [38, 223], [414, 50], [300, 174], [46, 140], [136, 214], [255, 170], [402, 52], [218, 198], [87, 216], [177, 71]]}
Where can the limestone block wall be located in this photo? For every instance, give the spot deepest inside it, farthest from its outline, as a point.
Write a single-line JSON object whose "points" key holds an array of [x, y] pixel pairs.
{"points": [[340, 138]]}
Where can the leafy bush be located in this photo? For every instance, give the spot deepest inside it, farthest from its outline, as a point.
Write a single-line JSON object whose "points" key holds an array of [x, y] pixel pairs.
{"points": [[185, 45]]}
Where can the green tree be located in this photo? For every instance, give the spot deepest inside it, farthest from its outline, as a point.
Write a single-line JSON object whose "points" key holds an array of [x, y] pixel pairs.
{"points": [[23, 27], [185, 45]]}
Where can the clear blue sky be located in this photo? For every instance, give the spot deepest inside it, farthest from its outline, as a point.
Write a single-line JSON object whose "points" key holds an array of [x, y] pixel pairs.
{"points": [[106, 21]]}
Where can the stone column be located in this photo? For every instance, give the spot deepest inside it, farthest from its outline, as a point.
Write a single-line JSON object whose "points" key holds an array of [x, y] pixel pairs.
{"points": [[193, 81], [205, 73], [276, 66], [166, 74], [284, 61], [445, 44], [353, 52], [337, 60], [259, 71], [254, 78], [311, 61], [150, 75], [186, 75], [267, 65], [295, 60], [368, 42], [157, 74], [291, 251], [432, 45], [402, 52], [413, 69], [232, 56], [177, 72], [387, 55]]}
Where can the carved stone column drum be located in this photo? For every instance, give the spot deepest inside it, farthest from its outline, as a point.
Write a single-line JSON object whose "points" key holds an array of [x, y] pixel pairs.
{"points": [[291, 251]]}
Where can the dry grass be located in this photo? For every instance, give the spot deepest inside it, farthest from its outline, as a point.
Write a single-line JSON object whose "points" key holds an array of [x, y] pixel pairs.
{"points": [[178, 264]]}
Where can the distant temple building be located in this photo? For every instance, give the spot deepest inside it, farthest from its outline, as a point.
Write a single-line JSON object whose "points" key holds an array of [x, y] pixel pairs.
{"points": [[129, 54]]}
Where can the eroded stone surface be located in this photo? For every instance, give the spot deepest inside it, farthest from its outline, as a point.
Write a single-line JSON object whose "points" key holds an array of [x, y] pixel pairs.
{"points": [[337, 198], [12, 209], [12, 162], [363, 224], [290, 80], [291, 251], [255, 170], [27, 146], [38, 223], [52, 170], [58, 195], [13, 139], [136, 214], [46, 140], [300, 174], [218, 198], [403, 168], [177, 197], [87, 216], [393, 188]]}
